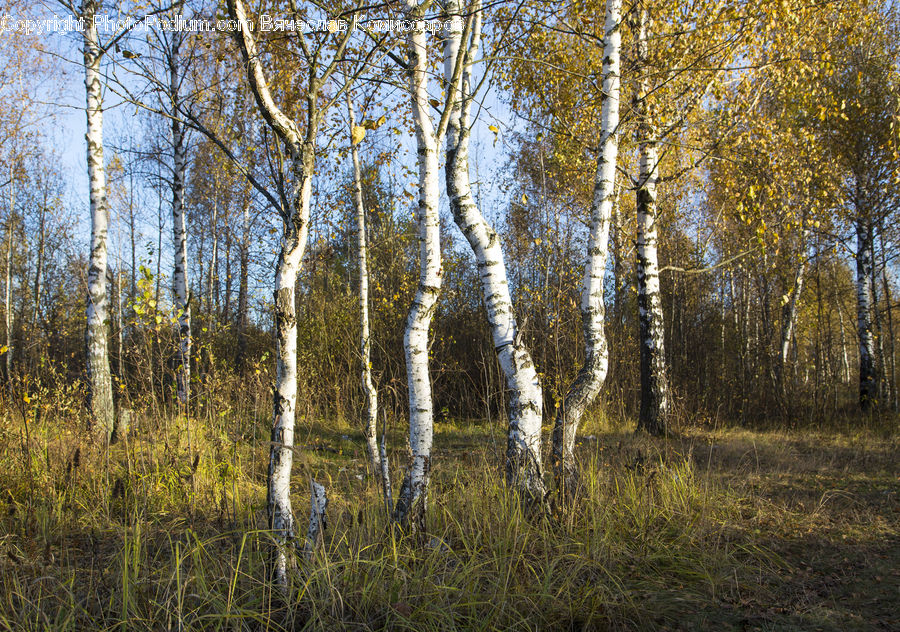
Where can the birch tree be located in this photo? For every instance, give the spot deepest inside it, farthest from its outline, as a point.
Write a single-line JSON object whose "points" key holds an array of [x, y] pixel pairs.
{"points": [[591, 375], [370, 415], [96, 336], [171, 46], [411, 501], [293, 206], [655, 397], [524, 470]]}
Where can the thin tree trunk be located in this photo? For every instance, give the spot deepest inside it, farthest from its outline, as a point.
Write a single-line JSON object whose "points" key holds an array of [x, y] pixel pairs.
{"points": [[7, 286], [412, 500], [845, 360], [226, 306], [212, 300], [524, 471], [789, 316], [868, 382], [890, 366], [592, 374], [180, 274], [655, 400], [100, 383], [39, 272], [370, 414], [295, 215], [243, 285]]}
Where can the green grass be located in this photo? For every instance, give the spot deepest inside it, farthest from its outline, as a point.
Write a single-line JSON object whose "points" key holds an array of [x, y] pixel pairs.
{"points": [[712, 529]]}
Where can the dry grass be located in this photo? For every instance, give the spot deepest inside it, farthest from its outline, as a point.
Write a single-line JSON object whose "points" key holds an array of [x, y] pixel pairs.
{"points": [[713, 529]]}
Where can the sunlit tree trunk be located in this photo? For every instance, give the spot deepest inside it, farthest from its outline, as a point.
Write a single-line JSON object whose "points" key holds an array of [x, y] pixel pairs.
{"points": [[180, 273], [39, 272], [7, 286], [592, 374], [655, 399], [370, 414], [789, 311], [294, 210], [890, 365], [868, 382], [100, 383], [212, 283], [524, 471], [244, 257], [411, 502]]}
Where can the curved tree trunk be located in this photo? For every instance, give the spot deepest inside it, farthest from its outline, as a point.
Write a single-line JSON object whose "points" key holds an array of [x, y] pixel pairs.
{"points": [[592, 374], [524, 471], [655, 401], [96, 338], [411, 502]]}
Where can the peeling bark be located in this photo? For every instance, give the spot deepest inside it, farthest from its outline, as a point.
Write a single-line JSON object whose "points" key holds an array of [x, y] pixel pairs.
{"points": [[591, 376]]}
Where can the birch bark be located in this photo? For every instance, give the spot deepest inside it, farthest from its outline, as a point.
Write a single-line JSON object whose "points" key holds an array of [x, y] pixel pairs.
{"points": [[370, 415], [789, 316], [524, 471], [868, 382], [593, 372], [96, 336], [180, 273], [412, 499], [293, 205], [301, 150], [655, 401]]}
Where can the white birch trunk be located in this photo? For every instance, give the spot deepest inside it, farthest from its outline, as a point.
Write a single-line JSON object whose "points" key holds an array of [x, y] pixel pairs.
{"points": [[39, 273], [316, 530], [370, 415], [100, 383], [212, 285], [789, 314], [180, 273], [7, 288], [592, 374], [281, 454], [868, 382], [412, 500], [524, 471], [243, 285], [655, 403], [302, 154]]}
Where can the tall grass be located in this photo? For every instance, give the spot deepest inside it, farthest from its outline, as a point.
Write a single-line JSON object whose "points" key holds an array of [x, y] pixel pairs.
{"points": [[166, 531]]}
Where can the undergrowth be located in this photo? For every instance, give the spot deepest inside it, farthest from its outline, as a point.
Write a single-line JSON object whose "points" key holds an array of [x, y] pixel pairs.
{"points": [[166, 531]]}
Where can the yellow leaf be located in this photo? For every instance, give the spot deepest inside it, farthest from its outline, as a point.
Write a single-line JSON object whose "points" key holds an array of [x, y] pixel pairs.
{"points": [[26, 398], [357, 135], [373, 125], [494, 129], [3, 349], [524, 199]]}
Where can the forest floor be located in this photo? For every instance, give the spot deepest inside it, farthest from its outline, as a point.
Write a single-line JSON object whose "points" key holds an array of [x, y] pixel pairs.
{"points": [[719, 529]]}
